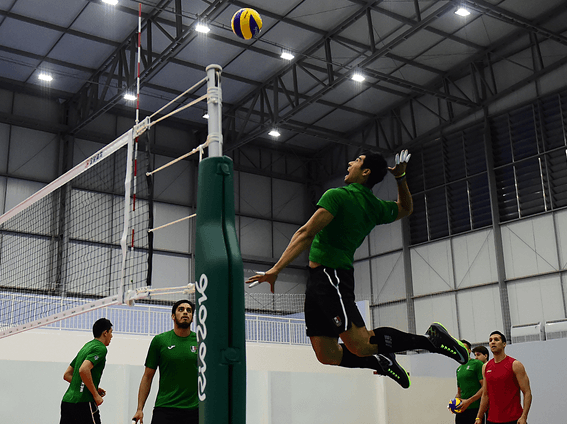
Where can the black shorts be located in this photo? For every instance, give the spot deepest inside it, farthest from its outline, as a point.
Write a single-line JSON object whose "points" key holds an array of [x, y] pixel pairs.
{"points": [[163, 415], [79, 413], [330, 308], [468, 416]]}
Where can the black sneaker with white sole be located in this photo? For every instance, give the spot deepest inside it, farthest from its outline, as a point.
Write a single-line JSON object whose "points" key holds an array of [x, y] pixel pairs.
{"points": [[390, 368], [447, 345]]}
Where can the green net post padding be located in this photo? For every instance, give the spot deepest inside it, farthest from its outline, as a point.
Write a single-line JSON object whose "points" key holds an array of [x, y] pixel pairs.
{"points": [[219, 298]]}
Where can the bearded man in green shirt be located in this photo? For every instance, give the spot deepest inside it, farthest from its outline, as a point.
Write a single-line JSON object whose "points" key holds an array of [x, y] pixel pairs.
{"points": [[83, 397], [175, 354], [345, 216]]}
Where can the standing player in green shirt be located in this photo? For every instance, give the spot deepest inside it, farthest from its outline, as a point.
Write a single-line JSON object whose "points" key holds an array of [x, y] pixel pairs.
{"points": [[345, 217], [175, 353], [83, 397], [469, 388]]}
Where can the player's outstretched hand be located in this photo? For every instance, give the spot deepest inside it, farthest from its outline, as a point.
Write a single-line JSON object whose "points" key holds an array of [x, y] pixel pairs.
{"points": [[261, 277], [138, 416], [402, 159]]}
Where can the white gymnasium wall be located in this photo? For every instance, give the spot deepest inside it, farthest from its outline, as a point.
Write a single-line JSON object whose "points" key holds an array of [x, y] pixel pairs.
{"points": [[455, 280], [269, 211], [285, 384]]}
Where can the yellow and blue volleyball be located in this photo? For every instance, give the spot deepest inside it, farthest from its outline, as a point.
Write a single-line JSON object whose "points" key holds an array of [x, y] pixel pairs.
{"points": [[455, 406], [246, 23]]}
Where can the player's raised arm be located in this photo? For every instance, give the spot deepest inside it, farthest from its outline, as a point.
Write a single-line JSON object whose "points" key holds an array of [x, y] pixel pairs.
{"points": [[405, 201]]}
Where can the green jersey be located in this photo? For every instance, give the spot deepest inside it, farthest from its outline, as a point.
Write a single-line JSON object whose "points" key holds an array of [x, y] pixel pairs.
{"points": [[95, 352], [468, 380], [356, 212], [176, 358]]}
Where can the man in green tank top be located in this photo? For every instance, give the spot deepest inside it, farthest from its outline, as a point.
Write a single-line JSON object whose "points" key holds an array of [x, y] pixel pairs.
{"points": [[175, 354], [345, 216], [83, 397]]}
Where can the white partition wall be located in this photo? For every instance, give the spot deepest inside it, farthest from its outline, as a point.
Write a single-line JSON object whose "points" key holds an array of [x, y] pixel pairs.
{"points": [[285, 384]]}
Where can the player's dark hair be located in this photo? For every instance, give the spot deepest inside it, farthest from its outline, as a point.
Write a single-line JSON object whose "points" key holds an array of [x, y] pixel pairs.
{"points": [[377, 165], [179, 302], [466, 342], [100, 326], [500, 334], [481, 349]]}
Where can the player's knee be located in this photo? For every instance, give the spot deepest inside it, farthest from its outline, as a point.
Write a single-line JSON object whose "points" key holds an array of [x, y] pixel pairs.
{"points": [[327, 358], [358, 348]]}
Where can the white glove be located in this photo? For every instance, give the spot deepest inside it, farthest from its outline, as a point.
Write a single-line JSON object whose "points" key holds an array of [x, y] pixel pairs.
{"points": [[403, 156]]}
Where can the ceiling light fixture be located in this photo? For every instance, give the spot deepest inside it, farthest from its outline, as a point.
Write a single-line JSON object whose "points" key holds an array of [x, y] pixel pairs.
{"points": [[205, 115], [45, 77], [461, 11], [111, 2], [201, 27], [287, 56], [358, 77], [130, 97], [274, 133]]}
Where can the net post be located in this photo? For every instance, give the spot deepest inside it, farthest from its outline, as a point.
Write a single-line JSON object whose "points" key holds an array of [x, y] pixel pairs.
{"points": [[219, 291], [214, 109]]}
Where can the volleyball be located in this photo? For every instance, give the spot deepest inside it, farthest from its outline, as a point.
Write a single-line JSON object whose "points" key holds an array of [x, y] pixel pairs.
{"points": [[455, 406], [246, 23]]}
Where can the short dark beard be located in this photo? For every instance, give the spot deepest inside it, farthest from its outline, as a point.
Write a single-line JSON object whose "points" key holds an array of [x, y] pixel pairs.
{"points": [[183, 325]]}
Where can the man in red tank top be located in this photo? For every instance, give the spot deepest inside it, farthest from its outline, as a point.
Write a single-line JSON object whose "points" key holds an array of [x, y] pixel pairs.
{"points": [[504, 378]]}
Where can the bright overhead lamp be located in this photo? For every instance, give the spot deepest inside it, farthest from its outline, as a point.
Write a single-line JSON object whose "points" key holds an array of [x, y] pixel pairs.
{"points": [[201, 27], [45, 77], [274, 133], [287, 56], [205, 115], [461, 11], [130, 97], [111, 2], [358, 77]]}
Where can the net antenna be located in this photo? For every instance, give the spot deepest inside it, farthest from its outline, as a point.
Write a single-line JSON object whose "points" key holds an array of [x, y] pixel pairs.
{"points": [[81, 242]]}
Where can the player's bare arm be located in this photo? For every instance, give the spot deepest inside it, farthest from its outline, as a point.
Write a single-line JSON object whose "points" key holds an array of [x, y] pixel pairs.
{"points": [[484, 398], [405, 201], [473, 398], [86, 376], [143, 392], [300, 241], [68, 375], [524, 383]]}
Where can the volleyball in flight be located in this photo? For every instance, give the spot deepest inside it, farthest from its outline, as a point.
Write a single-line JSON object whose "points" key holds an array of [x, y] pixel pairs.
{"points": [[455, 405], [246, 23]]}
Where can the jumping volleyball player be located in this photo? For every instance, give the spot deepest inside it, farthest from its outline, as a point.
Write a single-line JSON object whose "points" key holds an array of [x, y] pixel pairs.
{"points": [[345, 216]]}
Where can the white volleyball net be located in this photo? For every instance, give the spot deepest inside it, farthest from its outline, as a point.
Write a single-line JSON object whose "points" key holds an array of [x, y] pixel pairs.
{"points": [[82, 242], [78, 243], [80, 248]]}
